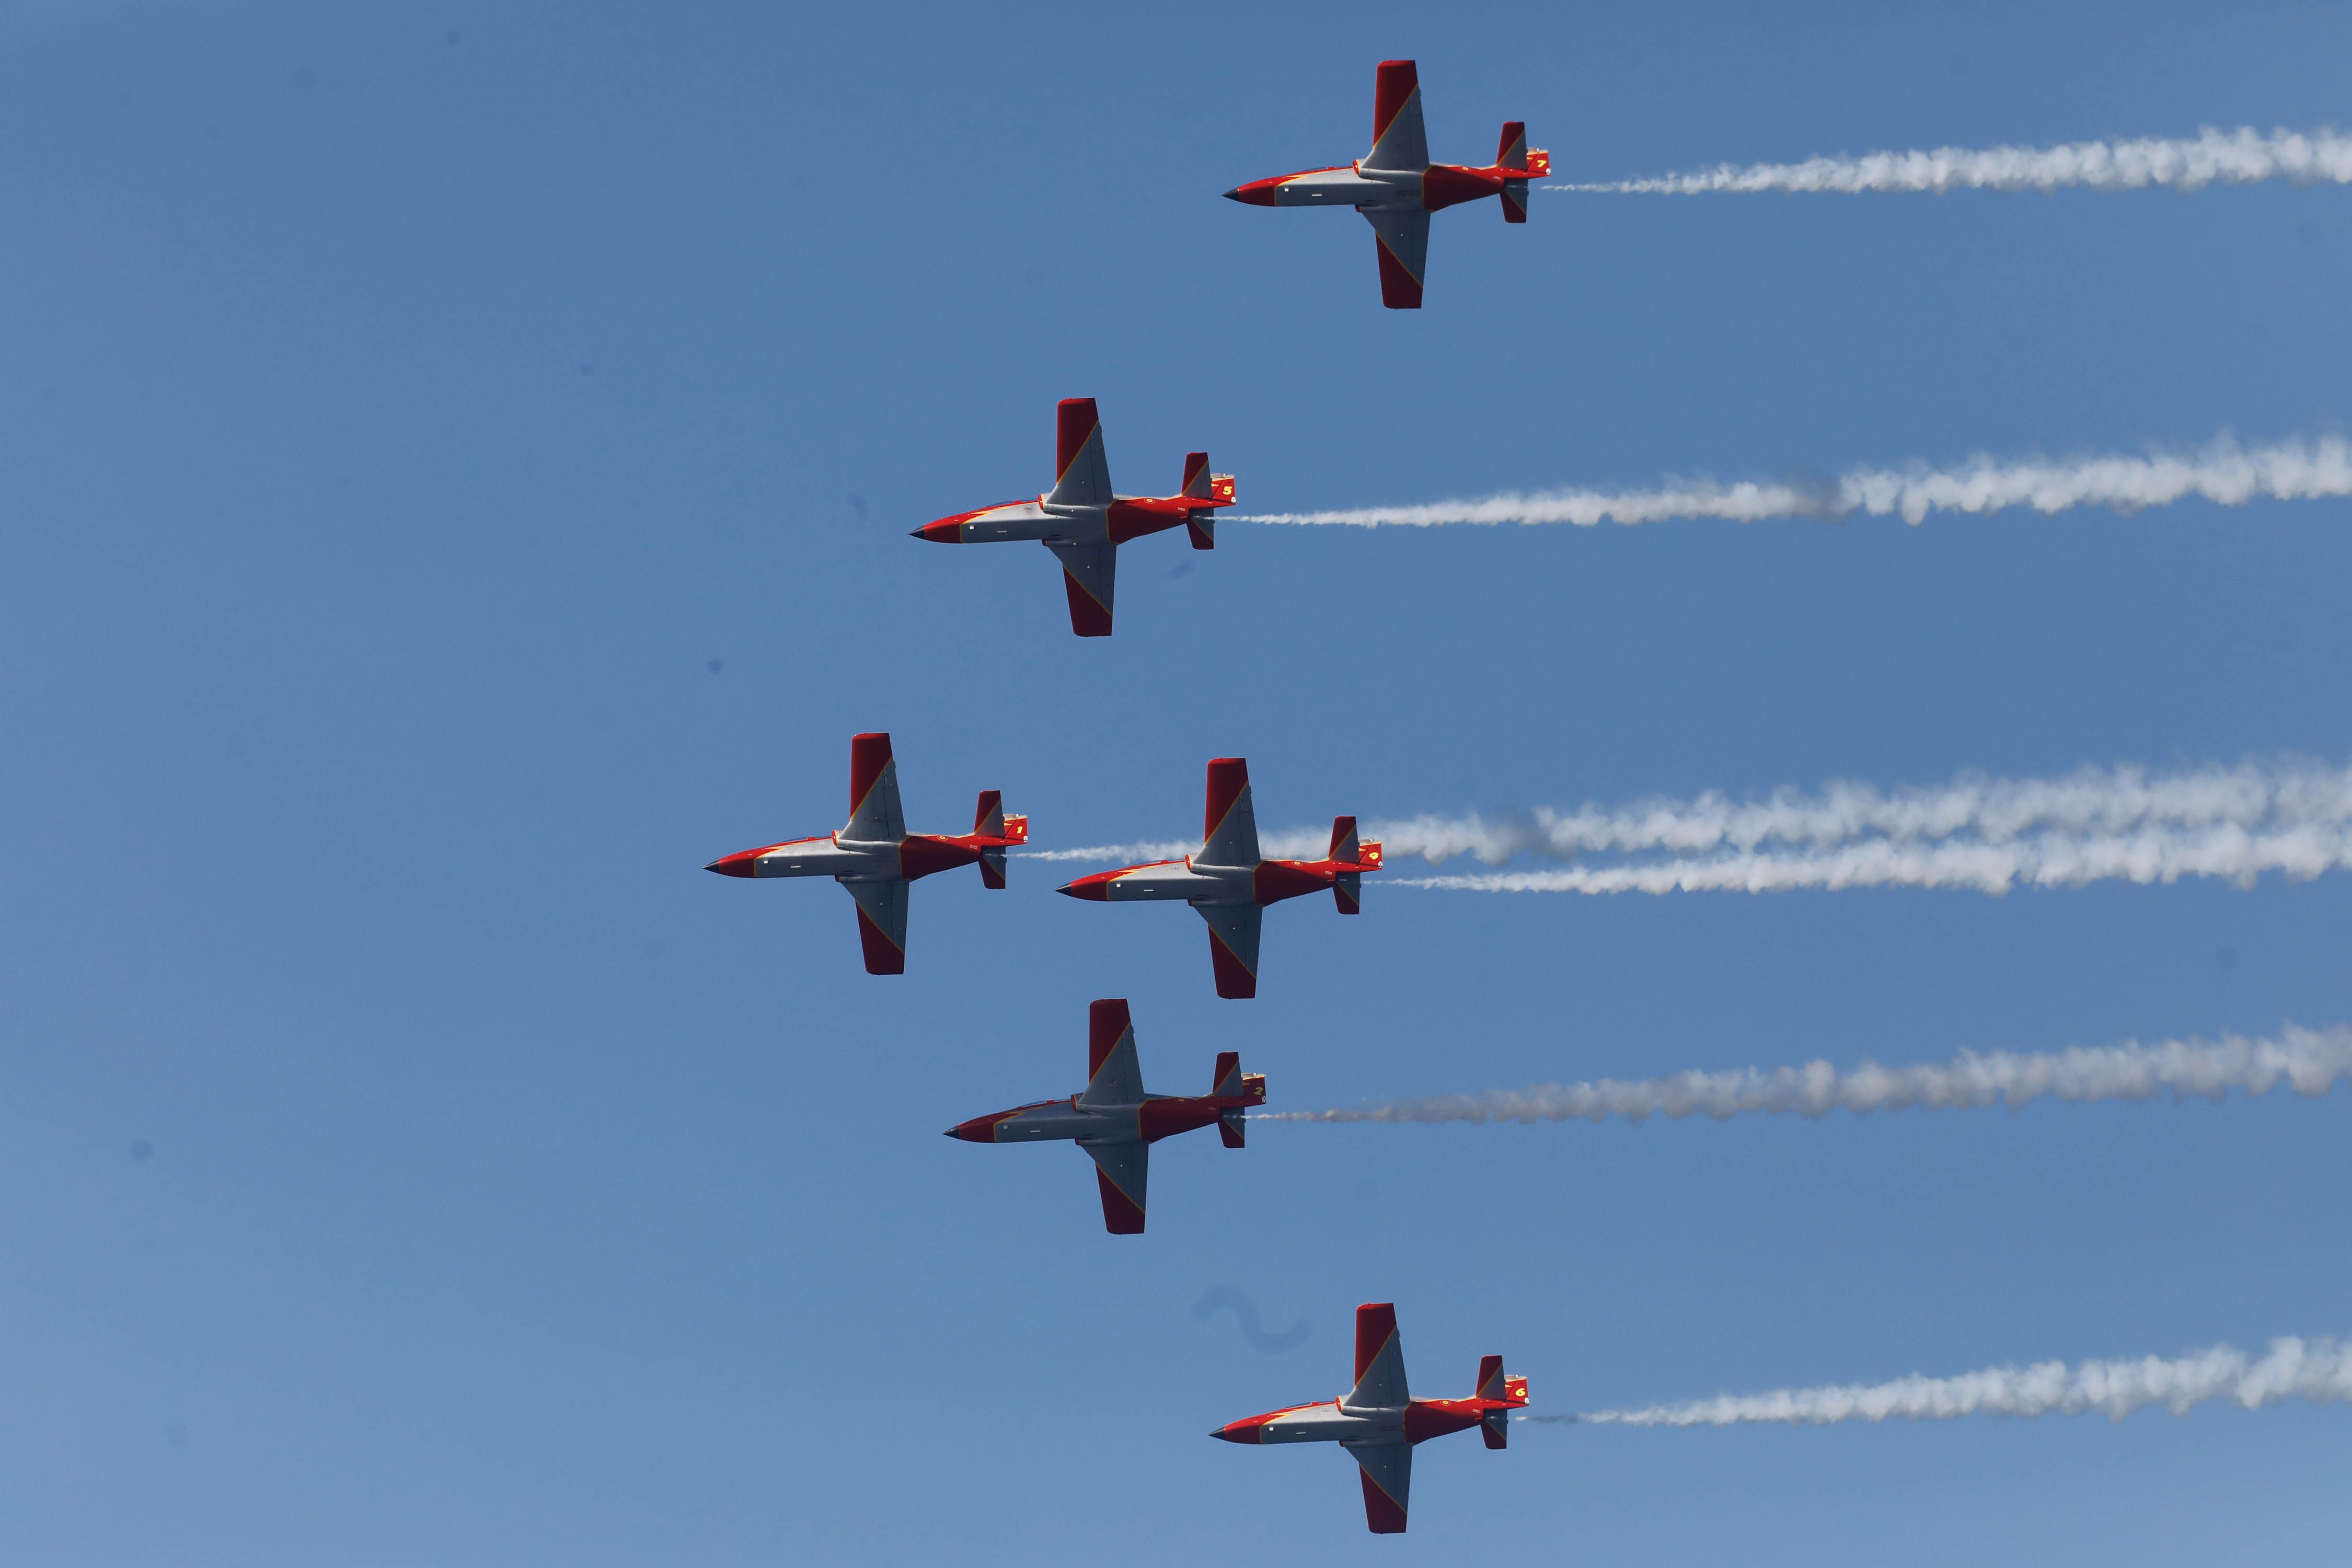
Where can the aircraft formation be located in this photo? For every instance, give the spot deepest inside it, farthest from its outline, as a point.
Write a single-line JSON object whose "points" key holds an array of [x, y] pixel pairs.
{"points": [[1229, 882]]}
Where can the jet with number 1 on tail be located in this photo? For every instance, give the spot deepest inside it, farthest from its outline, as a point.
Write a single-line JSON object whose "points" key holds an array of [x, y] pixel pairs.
{"points": [[877, 859], [1230, 884], [1378, 1421], [1396, 187], [1083, 523], [1116, 1120]]}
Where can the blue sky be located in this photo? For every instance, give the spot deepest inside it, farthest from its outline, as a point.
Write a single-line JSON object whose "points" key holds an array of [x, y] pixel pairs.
{"points": [[403, 410]]}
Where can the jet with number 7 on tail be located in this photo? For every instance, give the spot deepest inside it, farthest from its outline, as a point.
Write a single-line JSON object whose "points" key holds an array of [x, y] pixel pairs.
{"points": [[1229, 883], [1396, 187], [1378, 1421], [877, 859], [1116, 1120], [1083, 523]]}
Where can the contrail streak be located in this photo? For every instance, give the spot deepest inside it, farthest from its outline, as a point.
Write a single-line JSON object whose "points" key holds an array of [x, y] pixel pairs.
{"points": [[2318, 1370], [2310, 1061], [2284, 814], [2239, 157], [2223, 472], [2228, 851]]}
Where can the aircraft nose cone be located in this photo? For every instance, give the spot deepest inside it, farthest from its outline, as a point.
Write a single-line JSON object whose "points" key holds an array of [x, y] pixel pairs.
{"points": [[1236, 1432], [1094, 890], [1256, 193], [947, 531], [740, 864]]}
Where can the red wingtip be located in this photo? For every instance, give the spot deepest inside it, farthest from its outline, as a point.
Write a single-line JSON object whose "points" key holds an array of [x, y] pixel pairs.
{"points": [[1236, 983], [1228, 776], [1400, 289], [883, 956], [1106, 1020], [1088, 618], [1381, 1514], [1121, 1214], [1073, 420]]}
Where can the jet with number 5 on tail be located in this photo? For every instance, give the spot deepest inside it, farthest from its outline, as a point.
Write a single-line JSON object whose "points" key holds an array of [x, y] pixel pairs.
{"points": [[1396, 187], [1231, 884], [1083, 523], [877, 859], [1378, 1421], [1116, 1120]]}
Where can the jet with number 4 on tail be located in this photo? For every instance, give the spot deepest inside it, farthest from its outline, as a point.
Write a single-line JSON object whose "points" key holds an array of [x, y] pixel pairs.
{"points": [[1230, 884], [1116, 1120], [1396, 187], [1083, 523], [877, 859], [1378, 1421]]}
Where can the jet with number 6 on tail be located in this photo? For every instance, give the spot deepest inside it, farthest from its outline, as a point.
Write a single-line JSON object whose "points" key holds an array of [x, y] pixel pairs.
{"points": [[1230, 884], [1396, 187], [1116, 1120], [1083, 523], [1378, 1421], [877, 859]]}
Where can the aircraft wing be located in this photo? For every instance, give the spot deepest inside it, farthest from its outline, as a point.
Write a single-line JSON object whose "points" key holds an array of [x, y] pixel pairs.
{"points": [[1113, 1075], [1081, 471], [882, 924], [873, 814], [1402, 239], [1388, 1482], [1397, 138], [1232, 946], [1088, 571], [1122, 1170]]}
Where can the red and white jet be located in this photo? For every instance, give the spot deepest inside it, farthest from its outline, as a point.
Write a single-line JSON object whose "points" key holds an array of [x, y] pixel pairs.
{"points": [[1083, 523], [1396, 187], [1379, 1421], [1228, 882], [877, 858], [1116, 1120]]}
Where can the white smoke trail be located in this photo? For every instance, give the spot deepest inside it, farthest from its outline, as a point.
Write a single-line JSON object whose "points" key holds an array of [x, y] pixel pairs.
{"points": [[2318, 1370], [2164, 855], [2239, 157], [2310, 1061], [2047, 824], [2223, 472]]}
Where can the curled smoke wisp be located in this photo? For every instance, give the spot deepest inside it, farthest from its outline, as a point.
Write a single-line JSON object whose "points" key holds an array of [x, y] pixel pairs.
{"points": [[2223, 472], [2319, 1370], [2309, 1061], [2243, 156], [1225, 1298]]}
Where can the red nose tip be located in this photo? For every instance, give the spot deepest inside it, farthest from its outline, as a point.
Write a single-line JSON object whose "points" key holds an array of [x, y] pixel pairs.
{"points": [[947, 531], [1256, 193], [978, 1130], [737, 865], [1096, 888], [1238, 1432]]}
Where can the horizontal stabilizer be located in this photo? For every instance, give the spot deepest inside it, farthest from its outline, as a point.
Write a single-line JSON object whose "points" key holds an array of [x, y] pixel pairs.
{"points": [[991, 869]]}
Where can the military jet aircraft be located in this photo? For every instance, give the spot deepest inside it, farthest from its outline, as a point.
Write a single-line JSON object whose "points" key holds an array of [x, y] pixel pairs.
{"points": [[1230, 884], [1116, 1120], [1396, 187], [1083, 523], [1379, 1421], [877, 858]]}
